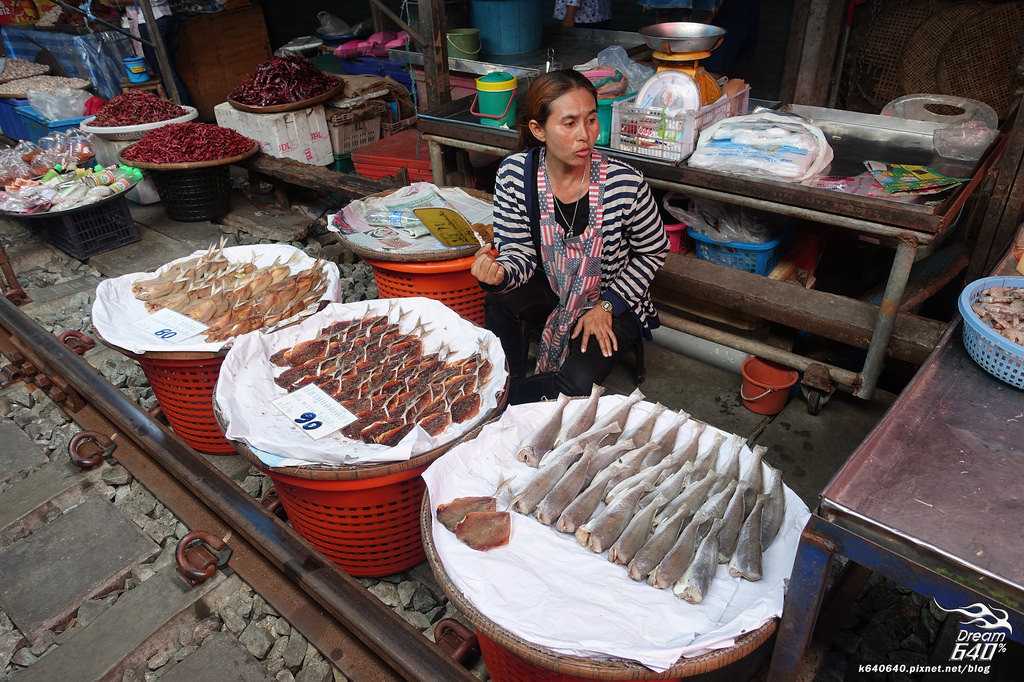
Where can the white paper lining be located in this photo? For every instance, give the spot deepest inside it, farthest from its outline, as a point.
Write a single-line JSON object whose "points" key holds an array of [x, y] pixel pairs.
{"points": [[246, 389], [550, 591], [116, 309]]}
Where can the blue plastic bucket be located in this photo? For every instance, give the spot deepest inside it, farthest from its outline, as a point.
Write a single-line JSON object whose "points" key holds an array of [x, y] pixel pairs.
{"points": [[136, 69], [508, 26]]}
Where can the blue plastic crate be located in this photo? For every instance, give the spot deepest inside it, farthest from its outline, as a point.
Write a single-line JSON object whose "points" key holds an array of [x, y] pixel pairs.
{"points": [[759, 259], [37, 126], [13, 125], [995, 353]]}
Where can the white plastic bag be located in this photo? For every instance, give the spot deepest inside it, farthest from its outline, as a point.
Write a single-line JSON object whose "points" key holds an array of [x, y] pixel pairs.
{"points": [[59, 104], [720, 222], [615, 56]]}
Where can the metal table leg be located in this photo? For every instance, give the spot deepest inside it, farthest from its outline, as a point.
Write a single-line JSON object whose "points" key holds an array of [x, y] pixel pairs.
{"points": [[899, 274], [803, 601], [436, 162]]}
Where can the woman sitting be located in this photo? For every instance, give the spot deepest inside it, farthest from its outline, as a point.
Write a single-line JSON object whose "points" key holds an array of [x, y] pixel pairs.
{"points": [[592, 226]]}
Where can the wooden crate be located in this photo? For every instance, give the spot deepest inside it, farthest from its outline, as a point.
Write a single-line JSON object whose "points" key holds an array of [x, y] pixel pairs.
{"points": [[217, 51]]}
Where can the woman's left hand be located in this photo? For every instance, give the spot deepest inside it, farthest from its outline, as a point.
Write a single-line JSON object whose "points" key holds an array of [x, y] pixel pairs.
{"points": [[597, 322]]}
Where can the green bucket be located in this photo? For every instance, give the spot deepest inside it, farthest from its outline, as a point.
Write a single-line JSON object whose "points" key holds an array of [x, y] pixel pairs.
{"points": [[604, 117], [464, 43], [495, 101]]}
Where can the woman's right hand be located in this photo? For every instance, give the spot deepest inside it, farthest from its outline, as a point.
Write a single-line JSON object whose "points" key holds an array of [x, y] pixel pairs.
{"points": [[486, 269]]}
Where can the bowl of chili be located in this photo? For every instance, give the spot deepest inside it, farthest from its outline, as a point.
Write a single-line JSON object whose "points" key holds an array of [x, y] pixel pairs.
{"points": [[285, 84]]}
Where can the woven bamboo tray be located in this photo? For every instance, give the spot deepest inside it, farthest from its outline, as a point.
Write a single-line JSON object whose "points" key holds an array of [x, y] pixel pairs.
{"points": [[333, 93], [191, 165], [324, 472], [608, 669], [419, 256]]}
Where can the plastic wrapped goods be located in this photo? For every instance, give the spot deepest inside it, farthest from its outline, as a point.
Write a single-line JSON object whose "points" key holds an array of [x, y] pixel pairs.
{"points": [[767, 145]]}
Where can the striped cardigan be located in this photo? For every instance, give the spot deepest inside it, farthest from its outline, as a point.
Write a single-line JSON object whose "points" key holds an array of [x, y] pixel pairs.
{"points": [[635, 243]]}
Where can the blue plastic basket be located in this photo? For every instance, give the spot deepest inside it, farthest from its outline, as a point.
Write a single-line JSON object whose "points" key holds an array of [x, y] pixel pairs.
{"points": [[996, 354], [759, 259], [13, 125], [37, 126]]}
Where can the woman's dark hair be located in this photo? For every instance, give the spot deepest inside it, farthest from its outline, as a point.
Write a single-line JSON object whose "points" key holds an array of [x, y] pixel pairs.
{"points": [[542, 92]]}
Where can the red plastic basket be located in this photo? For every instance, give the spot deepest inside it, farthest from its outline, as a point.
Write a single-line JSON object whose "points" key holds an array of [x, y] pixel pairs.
{"points": [[368, 527], [184, 387], [447, 281]]}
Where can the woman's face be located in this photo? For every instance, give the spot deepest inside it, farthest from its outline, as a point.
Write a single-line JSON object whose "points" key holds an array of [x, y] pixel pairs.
{"points": [[571, 129]]}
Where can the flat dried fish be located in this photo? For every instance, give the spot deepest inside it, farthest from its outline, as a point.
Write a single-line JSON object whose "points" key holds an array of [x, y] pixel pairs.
{"points": [[746, 561], [584, 420], [544, 480], [620, 414], [678, 558], [483, 530], [636, 533], [774, 510], [694, 584], [732, 520], [603, 530], [452, 512], [539, 442], [567, 488]]}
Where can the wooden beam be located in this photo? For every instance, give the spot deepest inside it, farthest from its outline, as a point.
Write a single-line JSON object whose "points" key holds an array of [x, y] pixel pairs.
{"points": [[434, 27], [316, 178], [815, 32], [833, 317], [381, 8]]}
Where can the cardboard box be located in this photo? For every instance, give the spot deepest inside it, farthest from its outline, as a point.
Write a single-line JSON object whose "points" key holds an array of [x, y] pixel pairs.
{"points": [[298, 135]]}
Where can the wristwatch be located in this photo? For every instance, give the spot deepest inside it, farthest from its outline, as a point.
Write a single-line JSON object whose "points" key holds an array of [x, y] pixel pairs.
{"points": [[607, 306]]}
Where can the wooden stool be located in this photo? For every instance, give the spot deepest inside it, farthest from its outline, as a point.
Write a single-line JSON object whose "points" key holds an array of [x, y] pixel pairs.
{"points": [[153, 85]]}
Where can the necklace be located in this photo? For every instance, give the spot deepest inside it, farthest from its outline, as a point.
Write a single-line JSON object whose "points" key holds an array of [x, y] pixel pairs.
{"points": [[570, 226]]}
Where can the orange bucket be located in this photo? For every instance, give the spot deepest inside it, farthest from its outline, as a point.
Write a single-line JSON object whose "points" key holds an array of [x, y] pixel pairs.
{"points": [[765, 387], [447, 281], [368, 527], [184, 387]]}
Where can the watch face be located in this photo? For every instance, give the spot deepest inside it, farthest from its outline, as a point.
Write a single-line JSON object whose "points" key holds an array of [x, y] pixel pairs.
{"points": [[606, 305]]}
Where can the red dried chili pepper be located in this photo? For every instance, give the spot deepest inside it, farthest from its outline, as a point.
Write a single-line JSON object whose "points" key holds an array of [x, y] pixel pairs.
{"points": [[188, 142], [282, 80], [135, 108]]}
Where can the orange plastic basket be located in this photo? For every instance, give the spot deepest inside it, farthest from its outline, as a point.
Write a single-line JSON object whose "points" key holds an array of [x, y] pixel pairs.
{"points": [[368, 527], [447, 281], [184, 387]]}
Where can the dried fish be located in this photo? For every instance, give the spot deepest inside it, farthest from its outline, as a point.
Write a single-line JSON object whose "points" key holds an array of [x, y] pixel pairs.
{"points": [[694, 584], [544, 480], [606, 455], [619, 415], [687, 450], [567, 488], [672, 485], [658, 545], [582, 508], [692, 497], [666, 439], [732, 520], [636, 533], [1002, 309], [705, 461], [641, 433], [483, 530], [746, 561], [678, 558], [628, 464], [753, 475], [648, 476], [452, 512], [538, 443], [595, 435], [584, 420], [604, 529], [774, 510], [731, 454]]}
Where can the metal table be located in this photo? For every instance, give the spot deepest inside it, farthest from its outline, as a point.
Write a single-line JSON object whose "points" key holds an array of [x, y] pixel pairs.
{"points": [[913, 230], [931, 500]]}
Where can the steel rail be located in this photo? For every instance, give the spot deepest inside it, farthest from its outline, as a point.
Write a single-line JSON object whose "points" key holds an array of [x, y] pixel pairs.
{"points": [[411, 655]]}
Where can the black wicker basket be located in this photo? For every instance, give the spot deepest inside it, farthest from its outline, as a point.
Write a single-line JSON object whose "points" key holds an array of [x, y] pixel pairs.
{"points": [[195, 195], [90, 230]]}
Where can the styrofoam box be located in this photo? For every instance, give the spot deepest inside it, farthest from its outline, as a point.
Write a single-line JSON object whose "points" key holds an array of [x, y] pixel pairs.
{"points": [[299, 135]]}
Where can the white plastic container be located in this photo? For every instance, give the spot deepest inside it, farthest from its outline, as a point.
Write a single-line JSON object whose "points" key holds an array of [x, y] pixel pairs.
{"points": [[121, 133], [300, 135]]}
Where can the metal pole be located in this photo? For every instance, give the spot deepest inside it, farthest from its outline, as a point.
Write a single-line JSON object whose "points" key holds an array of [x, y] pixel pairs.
{"points": [[382, 630], [436, 162], [166, 68], [906, 250]]}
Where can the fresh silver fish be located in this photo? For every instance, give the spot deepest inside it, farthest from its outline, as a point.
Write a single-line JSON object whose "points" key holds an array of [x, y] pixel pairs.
{"points": [[603, 530], [606, 455], [753, 475], [567, 488], [692, 497], [707, 460], [732, 520], [540, 442], [672, 485], [648, 476], [658, 545], [694, 584], [666, 438], [678, 558], [620, 414], [628, 464], [746, 561], [731, 453], [584, 420], [641, 433], [545, 479], [595, 436], [687, 450], [582, 508], [636, 533], [774, 510]]}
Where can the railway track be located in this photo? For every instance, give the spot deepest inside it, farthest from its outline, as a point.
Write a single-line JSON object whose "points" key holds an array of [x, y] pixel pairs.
{"points": [[359, 635]]}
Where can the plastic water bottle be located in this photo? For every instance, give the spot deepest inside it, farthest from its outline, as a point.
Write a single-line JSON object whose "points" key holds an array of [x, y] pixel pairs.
{"points": [[396, 218]]}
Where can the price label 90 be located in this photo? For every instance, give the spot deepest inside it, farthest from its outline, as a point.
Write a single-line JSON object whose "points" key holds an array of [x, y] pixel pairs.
{"points": [[314, 412]]}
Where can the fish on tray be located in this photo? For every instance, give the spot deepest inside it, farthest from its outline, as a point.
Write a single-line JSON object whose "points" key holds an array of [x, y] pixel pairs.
{"points": [[540, 442], [451, 513], [385, 378], [483, 530], [233, 298]]}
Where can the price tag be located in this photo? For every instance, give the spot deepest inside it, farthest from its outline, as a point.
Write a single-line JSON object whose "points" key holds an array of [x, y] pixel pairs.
{"points": [[313, 411], [169, 326], [449, 226]]}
